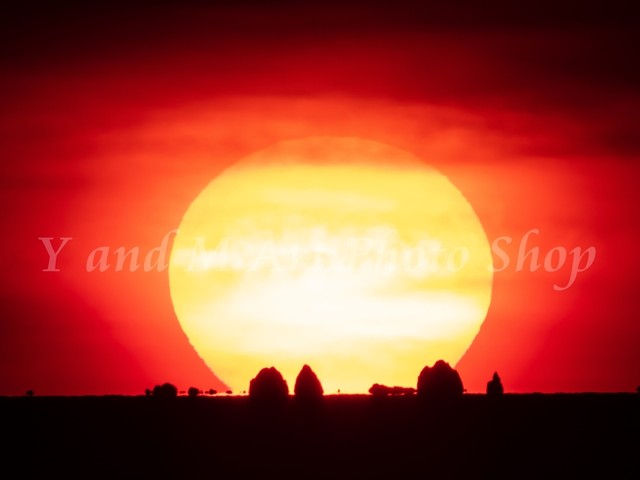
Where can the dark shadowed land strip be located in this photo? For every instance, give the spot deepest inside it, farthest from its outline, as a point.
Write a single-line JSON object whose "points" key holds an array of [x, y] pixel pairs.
{"points": [[345, 436]]}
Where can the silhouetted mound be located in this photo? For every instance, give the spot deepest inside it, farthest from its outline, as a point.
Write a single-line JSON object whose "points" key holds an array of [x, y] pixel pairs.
{"points": [[494, 386], [308, 388], [268, 386], [440, 382], [165, 391], [378, 390], [193, 392]]}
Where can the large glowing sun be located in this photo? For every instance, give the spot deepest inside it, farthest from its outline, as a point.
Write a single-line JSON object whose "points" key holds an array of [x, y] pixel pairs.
{"points": [[345, 254]]}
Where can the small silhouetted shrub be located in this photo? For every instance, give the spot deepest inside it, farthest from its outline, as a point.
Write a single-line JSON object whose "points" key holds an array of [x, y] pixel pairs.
{"points": [[440, 382], [307, 387], [494, 386], [268, 386], [165, 390], [378, 390], [193, 392]]}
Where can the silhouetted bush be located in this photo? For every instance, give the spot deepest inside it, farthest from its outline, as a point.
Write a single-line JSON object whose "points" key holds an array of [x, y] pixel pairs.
{"points": [[212, 391], [638, 389], [440, 382], [494, 386], [307, 387], [378, 390], [229, 392], [193, 392], [165, 391], [268, 386], [29, 393], [147, 392]]}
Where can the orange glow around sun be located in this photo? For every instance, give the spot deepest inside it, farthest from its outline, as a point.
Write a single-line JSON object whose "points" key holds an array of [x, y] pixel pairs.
{"points": [[345, 254]]}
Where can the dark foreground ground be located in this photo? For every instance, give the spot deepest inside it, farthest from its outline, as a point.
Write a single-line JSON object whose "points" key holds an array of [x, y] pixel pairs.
{"points": [[519, 436]]}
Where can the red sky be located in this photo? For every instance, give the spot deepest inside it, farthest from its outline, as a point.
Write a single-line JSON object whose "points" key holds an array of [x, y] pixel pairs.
{"points": [[113, 120]]}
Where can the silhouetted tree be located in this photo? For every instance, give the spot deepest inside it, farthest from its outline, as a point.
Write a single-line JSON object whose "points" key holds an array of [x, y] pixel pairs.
{"points": [[229, 392], [308, 388], [494, 386], [268, 386], [29, 393], [193, 392], [212, 391], [165, 390], [638, 389], [147, 392], [440, 382]]}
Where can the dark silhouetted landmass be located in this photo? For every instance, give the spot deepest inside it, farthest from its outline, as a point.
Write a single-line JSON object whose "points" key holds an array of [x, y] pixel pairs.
{"points": [[440, 382], [268, 386], [378, 390], [308, 387], [494, 386], [356, 436]]}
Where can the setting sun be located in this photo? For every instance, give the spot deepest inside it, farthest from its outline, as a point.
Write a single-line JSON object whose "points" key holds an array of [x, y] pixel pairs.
{"points": [[341, 253]]}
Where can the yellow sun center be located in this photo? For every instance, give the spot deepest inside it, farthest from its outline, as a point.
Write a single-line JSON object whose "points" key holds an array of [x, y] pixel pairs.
{"points": [[345, 254]]}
